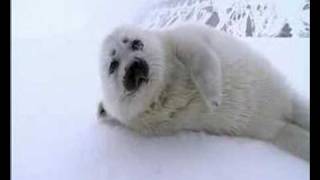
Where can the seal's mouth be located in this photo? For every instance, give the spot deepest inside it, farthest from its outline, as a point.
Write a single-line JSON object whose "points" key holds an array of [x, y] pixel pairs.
{"points": [[137, 73]]}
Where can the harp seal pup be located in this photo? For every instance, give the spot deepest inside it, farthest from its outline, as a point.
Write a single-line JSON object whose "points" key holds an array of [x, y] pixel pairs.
{"points": [[192, 77]]}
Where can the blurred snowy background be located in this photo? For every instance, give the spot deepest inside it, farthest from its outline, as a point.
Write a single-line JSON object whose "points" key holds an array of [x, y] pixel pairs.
{"points": [[55, 91], [242, 18]]}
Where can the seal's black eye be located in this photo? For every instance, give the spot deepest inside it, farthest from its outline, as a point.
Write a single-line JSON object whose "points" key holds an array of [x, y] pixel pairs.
{"points": [[137, 45], [125, 40], [113, 52], [113, 66]]}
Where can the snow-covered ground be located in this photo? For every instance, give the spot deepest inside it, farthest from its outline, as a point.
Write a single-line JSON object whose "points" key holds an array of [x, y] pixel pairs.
{"points": [[55, 133]]}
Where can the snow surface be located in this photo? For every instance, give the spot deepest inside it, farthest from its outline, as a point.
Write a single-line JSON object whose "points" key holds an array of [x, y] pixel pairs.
{"points": [[55, 133]]}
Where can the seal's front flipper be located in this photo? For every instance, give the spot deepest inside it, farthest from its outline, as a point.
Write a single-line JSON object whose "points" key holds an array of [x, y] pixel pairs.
{"points": [[104, 117], [101, 111], [205, 69]]}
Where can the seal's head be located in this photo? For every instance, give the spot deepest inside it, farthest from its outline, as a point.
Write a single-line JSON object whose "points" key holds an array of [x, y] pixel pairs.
{"points": [[132, 68]]}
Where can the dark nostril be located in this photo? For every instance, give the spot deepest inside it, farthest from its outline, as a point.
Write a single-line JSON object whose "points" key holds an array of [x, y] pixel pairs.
{"points": [[137, 45]]}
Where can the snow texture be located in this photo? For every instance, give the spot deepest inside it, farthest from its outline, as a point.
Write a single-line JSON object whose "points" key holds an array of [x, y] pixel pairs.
{"points": [[243, 18], [55, 93]]}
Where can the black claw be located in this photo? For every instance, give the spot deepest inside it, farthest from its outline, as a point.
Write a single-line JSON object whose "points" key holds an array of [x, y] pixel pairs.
{"points": [[101, 110]]}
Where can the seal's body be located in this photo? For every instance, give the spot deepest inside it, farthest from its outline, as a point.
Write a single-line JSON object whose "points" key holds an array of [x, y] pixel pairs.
{"points": [[195, 78]]}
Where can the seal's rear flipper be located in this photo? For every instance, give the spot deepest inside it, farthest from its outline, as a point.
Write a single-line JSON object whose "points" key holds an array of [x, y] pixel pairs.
{"points": [[294, 139]]}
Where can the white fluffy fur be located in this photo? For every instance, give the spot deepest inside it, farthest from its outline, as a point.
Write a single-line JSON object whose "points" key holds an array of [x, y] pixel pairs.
{"points": [[204, 80]]}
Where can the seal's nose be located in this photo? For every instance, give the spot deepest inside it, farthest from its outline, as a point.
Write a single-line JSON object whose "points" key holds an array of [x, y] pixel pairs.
{"points": [[136, 74], [137, 45]]}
